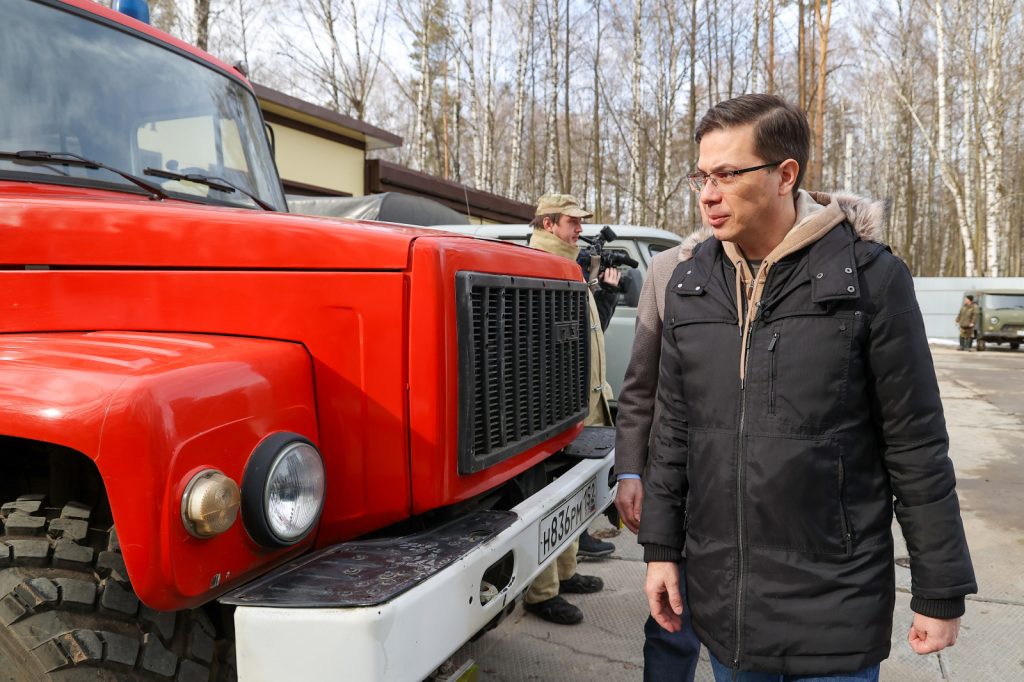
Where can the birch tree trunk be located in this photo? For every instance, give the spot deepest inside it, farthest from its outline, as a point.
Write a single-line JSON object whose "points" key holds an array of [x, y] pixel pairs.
{"points": [[567, 179], [949, 178], [636, 121], [802, 50], [424, 88], [670, 51], [970, 142], [771, 46], [551, 101], [692, 212], [995, 109], [476, 113], [488, 146], [456, 117], [525, 50], [595, 125], [201, 12], [755, 58], [824, 24]]}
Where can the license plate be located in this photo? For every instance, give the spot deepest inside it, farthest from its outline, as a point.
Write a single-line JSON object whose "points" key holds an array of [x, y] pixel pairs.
{"points": [[565, 519]]}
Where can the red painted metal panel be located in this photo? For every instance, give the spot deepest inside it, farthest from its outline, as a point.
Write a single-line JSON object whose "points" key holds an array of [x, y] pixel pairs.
{"points": [[433, 363], [352, 325], [152, 410], [46, 224]]}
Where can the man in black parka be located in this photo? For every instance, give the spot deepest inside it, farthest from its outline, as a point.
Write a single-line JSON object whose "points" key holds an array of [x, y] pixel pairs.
{"points": [[799, 409]]}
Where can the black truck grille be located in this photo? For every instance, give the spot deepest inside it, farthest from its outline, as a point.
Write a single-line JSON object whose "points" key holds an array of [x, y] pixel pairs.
{"points": [[524, 365]]}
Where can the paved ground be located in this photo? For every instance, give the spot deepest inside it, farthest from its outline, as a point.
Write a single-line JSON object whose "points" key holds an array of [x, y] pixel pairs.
{"points": [[983, 394]]}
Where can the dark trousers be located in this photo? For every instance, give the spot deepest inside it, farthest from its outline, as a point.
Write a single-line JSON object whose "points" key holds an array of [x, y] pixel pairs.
{"points": [[671, 656]]}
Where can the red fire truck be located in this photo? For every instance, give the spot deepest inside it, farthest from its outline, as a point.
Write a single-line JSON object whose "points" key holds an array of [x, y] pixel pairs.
{"points": [[235, 441]]}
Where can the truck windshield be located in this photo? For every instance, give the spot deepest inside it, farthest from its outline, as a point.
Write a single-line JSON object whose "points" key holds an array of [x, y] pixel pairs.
{"points": [[71, 84], [1004, 301]]}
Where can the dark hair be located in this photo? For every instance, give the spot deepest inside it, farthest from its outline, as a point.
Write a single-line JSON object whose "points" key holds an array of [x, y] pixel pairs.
{"points": [[970, 297], [538, 221], [780, 129]]}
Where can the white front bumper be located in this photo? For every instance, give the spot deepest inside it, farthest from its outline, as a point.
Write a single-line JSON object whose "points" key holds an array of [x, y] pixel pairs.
{"points": [[408, 637]]}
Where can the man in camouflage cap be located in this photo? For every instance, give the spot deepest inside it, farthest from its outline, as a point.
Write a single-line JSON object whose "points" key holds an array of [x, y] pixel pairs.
{"points": [[556, 230]]}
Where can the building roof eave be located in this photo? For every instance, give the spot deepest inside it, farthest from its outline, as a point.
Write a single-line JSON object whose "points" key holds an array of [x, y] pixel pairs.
{"points": [[312, 115]]}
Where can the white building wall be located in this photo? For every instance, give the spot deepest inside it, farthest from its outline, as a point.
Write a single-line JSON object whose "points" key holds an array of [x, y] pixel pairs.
{"points": [[941, 297]]}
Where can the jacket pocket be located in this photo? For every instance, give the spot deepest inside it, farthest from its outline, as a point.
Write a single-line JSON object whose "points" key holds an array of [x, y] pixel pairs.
{"points": [[805, 369], [794, 495]]}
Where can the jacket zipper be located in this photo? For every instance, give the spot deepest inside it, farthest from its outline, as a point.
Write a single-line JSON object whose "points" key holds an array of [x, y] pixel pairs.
{"points": [[771, 373], [843, 521], [740, 529]]}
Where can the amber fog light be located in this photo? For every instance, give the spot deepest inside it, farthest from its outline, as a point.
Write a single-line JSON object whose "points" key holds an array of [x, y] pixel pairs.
{"points": [[210, 504]]}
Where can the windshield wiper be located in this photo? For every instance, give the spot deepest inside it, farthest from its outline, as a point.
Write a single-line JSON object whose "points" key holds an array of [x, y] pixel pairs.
{"points": [[68, 159], [213, 182]]}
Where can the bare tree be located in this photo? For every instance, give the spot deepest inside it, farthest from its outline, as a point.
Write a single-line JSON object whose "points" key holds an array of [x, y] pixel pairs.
{"points": [[996, 106], [595, 126], [602, 97], [201, 12], [551, 150], [344, 53], [823, 23], [949, 174], [523, 55], [636, 120]]}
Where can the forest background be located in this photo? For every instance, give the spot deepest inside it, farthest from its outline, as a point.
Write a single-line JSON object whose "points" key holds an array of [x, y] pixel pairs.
{"points": [[917, 103]]}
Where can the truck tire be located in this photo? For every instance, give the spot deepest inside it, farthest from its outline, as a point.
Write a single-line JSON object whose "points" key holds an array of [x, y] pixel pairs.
{"points": [[1014, 345], [980, 344], [68, 612]]}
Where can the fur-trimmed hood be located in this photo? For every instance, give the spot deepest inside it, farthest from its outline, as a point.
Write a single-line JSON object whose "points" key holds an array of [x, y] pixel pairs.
{"points": [[690, 242], [865, 215]]}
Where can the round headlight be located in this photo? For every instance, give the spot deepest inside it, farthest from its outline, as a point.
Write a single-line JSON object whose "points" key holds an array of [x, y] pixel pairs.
{"points": [[295, 489], [993, 320], [283, 490]]}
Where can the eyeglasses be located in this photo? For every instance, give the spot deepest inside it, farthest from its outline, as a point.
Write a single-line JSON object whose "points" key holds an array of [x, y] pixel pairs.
{"points": [[722, 179]]}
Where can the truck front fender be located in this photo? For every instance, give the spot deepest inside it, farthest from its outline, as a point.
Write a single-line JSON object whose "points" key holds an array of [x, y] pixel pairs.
{"points": [[152, 410]]}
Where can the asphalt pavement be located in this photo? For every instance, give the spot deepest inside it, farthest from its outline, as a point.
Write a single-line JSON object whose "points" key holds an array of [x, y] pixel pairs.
{"points": [[983, 396]]}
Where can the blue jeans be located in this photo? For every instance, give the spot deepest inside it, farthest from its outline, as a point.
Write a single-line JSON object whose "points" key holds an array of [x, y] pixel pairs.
{"points": [[671, 656], [723, 673]]}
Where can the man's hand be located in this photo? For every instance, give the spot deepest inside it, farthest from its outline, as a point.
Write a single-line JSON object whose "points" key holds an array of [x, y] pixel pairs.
{"points": [[927, 635], [611, 276], [662, 590], [628, 500]]}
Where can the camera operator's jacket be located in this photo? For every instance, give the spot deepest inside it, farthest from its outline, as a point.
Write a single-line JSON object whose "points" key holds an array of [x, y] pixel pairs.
{"points": [[794, 407], [600, 413]]}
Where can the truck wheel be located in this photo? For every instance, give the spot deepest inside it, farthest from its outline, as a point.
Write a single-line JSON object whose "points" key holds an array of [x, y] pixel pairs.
{"points": [[980, 344], [68, 612], [1014, 345]]}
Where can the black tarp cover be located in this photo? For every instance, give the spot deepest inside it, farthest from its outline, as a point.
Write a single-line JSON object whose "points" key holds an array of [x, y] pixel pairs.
{"points": [[391, 207]]}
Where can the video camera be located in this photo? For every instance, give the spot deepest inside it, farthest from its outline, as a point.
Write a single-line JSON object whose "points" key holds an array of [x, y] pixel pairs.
{"points": [[608, 259]]}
